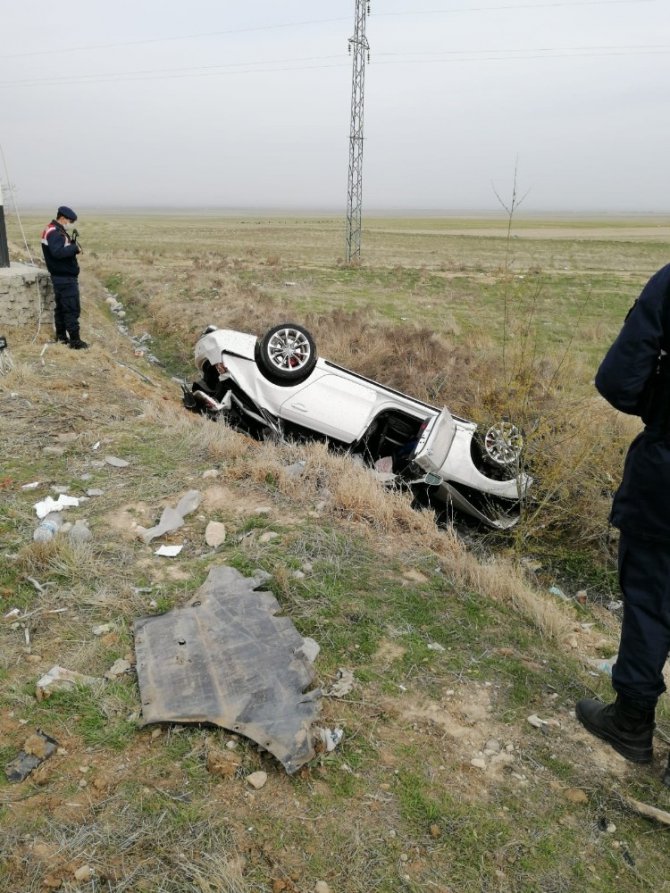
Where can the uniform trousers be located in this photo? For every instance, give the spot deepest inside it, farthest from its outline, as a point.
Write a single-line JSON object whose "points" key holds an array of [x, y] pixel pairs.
{"points": [[644, 577]]}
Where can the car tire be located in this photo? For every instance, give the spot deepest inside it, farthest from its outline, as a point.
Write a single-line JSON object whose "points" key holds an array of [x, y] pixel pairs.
{"points": [[286, 354]]}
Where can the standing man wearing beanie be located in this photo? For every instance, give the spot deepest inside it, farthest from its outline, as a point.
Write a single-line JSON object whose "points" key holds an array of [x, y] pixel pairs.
{"points": [[60, 255], [635, 378]]}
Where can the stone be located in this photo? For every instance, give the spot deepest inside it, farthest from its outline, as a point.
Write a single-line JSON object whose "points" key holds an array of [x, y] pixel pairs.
{"points": [[115, 462], [118, 668], [478, 763], [83, 874], [322, 887], [257, 779], [268, 536], [215, 534]]}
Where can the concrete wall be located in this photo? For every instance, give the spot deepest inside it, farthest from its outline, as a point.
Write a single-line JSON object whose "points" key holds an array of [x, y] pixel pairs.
{"points": [[26, 296]]}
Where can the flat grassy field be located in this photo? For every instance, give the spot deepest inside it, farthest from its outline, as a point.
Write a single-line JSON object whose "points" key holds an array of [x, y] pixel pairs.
{"points": [[462, 767]]}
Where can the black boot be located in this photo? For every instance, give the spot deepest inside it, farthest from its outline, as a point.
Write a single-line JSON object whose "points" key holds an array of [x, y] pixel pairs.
{"points": [[61, 338], [625, 725], [78, 344]]}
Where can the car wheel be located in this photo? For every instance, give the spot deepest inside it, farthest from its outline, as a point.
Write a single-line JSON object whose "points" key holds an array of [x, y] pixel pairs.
{"points": [[503, 443], [286, 354]]}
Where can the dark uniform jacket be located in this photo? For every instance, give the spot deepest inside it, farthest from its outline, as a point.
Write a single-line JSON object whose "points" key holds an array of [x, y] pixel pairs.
{"points": [[635, 378], [60, 254]]}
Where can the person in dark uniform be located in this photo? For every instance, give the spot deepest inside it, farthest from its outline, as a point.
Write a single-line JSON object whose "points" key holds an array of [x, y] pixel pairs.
{"points": [[60, 255], [634, 377]]}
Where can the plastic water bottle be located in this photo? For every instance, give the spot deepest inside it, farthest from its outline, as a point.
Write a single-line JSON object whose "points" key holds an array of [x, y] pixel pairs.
{"points": [[48, 527]]}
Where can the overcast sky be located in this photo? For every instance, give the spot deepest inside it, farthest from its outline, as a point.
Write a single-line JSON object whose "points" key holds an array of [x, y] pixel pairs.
{"points": [[222, 104]]}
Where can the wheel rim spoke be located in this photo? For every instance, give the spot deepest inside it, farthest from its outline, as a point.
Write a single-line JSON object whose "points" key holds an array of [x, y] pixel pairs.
{"points": [[289, 349]]}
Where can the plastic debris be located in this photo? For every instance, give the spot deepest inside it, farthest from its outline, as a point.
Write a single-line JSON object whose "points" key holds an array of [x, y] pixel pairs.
{"points": [[48, 527], [331, 738], [556, 590], [435, 646], [228, 657], [173, 517], [33, 486], [168, 551], [36, 749], [604, 665], [49, 504]]}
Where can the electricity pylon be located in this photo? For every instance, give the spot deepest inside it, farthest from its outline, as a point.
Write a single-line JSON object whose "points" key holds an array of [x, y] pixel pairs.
{"points": [[360, 49]]}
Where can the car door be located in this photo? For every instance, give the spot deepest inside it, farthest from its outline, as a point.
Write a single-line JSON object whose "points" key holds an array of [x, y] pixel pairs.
{"points": [[332, 405], [435, 442]]}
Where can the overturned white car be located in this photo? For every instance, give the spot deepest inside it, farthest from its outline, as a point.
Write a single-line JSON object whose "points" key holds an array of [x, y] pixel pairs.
{"points": [[278, 384]]}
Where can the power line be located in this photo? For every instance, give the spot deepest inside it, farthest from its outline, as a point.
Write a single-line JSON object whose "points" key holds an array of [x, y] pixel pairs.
{"points": [[405, 58], [555, 4]]}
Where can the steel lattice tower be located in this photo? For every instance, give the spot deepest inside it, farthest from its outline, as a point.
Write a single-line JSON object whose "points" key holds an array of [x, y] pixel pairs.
{"points": [[361, 50]]}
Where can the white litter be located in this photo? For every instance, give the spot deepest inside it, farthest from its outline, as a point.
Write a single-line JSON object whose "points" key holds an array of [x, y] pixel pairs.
{"points": [[33, 486], [168, 551], [49, 504]]}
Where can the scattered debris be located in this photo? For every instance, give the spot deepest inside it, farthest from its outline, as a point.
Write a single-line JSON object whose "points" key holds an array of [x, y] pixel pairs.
{"points": [[435, 646], [343, 684], [115, 462], [172, 518], [48, 527], [603, 665], [60, 679], [36, 749], [168, 551], [48, 505], [557, 591], [331, 738], [538, 723], [103, 629], [95, 492], [33, 486], [615, 605], [228, 659]]}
